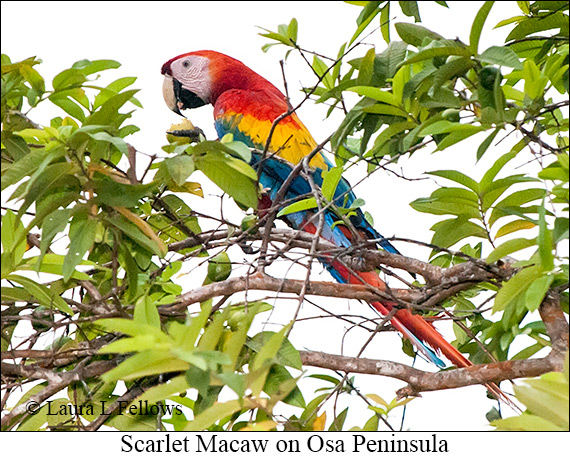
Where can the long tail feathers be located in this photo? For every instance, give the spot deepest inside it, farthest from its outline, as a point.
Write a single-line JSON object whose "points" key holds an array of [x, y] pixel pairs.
{"points": [[422, 334]]}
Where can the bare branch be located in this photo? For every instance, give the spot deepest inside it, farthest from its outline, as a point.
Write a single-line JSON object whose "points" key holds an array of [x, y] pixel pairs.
{"points": [[423, 381]]}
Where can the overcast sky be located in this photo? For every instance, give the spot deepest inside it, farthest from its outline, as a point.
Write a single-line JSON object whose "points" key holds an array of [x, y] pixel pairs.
{"points": [[143, 35]]}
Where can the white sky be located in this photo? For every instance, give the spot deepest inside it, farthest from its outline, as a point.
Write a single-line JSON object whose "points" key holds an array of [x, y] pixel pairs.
{"points": [[143, 35]]}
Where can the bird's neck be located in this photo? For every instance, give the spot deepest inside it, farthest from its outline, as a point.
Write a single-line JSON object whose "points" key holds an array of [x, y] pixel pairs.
{"points": [[239, 77]]}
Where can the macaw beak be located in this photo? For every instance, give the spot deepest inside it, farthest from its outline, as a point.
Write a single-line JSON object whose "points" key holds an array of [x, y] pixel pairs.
{"points": [[177, 97], [169, 95]]}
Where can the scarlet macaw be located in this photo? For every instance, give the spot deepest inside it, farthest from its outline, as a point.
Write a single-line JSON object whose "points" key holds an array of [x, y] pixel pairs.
{"points": [[246, 104]]}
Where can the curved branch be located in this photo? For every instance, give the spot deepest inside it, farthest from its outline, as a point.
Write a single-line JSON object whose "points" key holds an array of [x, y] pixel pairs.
{"points": [[260, 281], [56, 382], [423, 381]]}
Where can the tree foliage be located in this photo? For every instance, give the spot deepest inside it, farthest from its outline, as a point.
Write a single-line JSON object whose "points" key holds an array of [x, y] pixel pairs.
{"points": [[91, 247]]}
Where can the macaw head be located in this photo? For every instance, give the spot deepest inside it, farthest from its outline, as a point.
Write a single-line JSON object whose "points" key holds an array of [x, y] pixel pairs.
{"points": [[197, 78]]}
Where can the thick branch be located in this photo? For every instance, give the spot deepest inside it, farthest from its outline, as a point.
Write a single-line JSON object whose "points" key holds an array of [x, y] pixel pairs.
{"points": [[261, 281], [460, 277], [56, 382], [556, 326], [423, 381]]}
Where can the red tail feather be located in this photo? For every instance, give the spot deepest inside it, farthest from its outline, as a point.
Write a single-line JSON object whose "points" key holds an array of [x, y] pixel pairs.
{"points": [[419, 327], [408, 323]]}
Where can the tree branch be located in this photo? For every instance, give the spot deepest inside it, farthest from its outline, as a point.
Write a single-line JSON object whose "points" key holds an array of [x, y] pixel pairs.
{"points": [[56, 382], [423, 381]]}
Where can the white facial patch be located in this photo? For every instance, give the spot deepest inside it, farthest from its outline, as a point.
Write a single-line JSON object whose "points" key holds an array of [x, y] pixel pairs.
{"points": [[194, 75]]}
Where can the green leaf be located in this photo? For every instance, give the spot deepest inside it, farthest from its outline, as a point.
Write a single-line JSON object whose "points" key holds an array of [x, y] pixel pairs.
{"points": [[146, 312], [327, 378], [213, 332], [116, 141], [215, 413], [339, 420], [233, 176], [108, 112], [199, 379], [385, 22], [43, 180], [561, 229], [44, 295], [446, 200], [452, 69], [302, 205], [515, 288], [68, 78], [453, 138], [538, 24], [13, 237], [271, 342], [16, 147], [31, 75], [292, 29], [441, 51], [146, 363], [415, 34], [495, 189], [322, 70], [381, 108], [179, 168], [508, 247], [129, 327], [52, 263], [15, 294], [69, 106], [514, 226], [137, 343], [451, 231], [331, 179], [112, 89], [486, 143], [239, 150], [188, 338], [112, 193], [366, 68], [30, 165], [410, 9], [544, 240], [53, 224], [35, 422], [527, 422], [490, 175], [82, 236], [536, 292], [376, 94], [528, 352], [477, 26], [501, 55], [516, 199], [371, 424], [133, 232], [263, 359], [388, 133], [163, 391], [544, 403], [279, 382], [88, 67], [369, 12], [458, 177]]}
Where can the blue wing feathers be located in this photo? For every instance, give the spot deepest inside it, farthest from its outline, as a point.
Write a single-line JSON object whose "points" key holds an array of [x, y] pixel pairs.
{"points": [[275, 171]]}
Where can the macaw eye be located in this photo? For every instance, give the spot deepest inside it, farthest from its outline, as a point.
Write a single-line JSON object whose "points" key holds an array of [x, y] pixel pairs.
{"points": [[186, 64]]}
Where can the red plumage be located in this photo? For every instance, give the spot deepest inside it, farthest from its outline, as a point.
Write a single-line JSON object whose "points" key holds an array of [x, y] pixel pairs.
{"points": [[246, 104]]}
